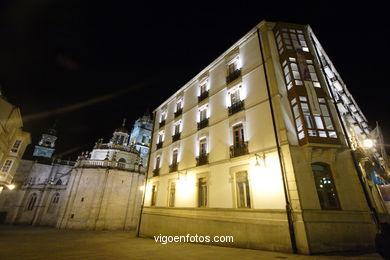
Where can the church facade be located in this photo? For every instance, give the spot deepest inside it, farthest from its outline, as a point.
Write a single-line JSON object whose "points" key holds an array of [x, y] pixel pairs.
{"points": [[100, 190], [266, 144]]}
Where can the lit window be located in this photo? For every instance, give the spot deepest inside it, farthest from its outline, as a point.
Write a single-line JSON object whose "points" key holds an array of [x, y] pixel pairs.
{"points": [[157, 165], [202, 192], [175, 155], [326, 189], [243, 195], [7, 166], [16, 146], [177, 127], [163, 116], [179, 105], [160, 137], [203, 146]]}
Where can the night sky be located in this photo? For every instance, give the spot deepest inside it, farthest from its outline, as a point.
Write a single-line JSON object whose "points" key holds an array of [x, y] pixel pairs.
{"points": [[88, 65]]}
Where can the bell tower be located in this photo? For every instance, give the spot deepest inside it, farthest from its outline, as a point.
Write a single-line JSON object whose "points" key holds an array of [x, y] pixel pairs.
{"points": [[46, 146]]}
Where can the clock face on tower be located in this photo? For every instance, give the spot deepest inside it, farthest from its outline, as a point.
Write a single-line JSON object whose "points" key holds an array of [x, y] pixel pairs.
{"points": [[43, 152], [144, 150]]}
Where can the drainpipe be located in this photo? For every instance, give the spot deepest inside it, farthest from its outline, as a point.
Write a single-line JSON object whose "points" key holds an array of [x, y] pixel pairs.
{"points": [[354, 159], [146, 176], [286, 197]]}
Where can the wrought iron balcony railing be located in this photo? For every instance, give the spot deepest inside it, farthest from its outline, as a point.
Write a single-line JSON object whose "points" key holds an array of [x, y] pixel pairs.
{"points": [[203, 95], [232, 76], [162, 123], [176, 137], [203, 123], [159, 145], [178, 112], [236, 107], [173, 167], [238, 149], [202, 159], [156, 172]]}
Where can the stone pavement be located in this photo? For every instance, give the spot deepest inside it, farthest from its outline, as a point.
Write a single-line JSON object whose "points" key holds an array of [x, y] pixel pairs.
{"points": [[26, 242]]}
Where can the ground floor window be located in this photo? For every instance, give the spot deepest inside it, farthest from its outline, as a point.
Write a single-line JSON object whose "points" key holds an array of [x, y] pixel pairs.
{"points": [[202, 192], [242, 185], [326, 189]]}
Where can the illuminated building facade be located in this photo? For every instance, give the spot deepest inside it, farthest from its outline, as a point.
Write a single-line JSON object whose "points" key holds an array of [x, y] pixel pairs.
{"points": [[13, 141], [258, 146]]}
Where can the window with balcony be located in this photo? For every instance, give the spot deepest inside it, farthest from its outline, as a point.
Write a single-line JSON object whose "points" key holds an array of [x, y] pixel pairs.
{"points": [[153, 199], [233, 70], [7, 166], [156, 171], [240, 146], [203, 117], [179, 107], [163, 117], [172, 194], [160, 139], [243, 194], [16, 146], [203, 154], [236, 100], [176, 131], [202, 192], [203, 89], [326, 189], [174, 165]]}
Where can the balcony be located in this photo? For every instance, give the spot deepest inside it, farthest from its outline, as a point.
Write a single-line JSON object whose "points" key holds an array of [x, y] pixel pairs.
{"points": [[159, 145], [238, 149], [203, 96], [106, 164], [173, 167], [156, 172], [202, 159], [236, 107], [178, 112], [232, 76], [162, 123], [176, 137], [203, 123]]}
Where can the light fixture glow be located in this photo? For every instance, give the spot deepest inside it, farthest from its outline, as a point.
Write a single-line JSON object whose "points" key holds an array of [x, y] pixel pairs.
{"points": [[11, 186], [368, 143]]}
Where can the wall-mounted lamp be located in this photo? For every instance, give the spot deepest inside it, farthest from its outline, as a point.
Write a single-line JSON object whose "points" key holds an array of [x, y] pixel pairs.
{"points": [[181, 176], [11, 186], [368, 143]]}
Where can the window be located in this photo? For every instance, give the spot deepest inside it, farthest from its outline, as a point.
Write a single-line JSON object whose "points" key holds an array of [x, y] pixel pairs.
{"points": [[175, 154], [203, 87], [203, 113], [235, 96], [203, 90], [240, 146], [157, 165], [233, 70], [154, 196], [326, 189], [7, 166], [243, 195], [163, 116], [31, 202], [172, 194], [179, 104], [16, 146], [177, 127], [238, 134], [203, 146], [202, 192], [160, 137], [54, 203]]}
